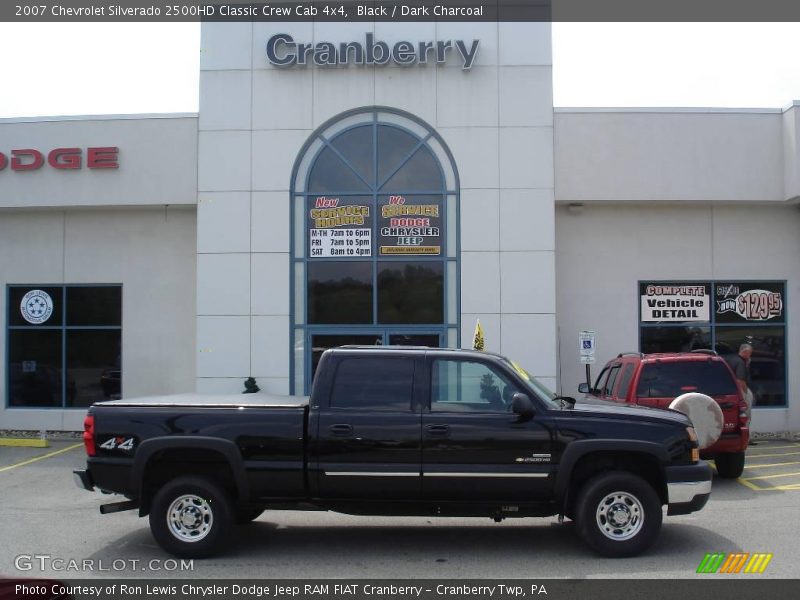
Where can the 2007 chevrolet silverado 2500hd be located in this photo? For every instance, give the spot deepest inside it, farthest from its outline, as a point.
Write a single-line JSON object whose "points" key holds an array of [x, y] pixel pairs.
{"points": [[396, 431]]}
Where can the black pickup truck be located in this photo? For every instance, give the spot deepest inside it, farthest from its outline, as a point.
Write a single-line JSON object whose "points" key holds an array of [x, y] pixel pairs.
{"points": [[396, 431]]}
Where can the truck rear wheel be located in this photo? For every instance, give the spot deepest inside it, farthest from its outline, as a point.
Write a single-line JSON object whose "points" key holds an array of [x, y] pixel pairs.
{"points": [[730, 465], [191, 517], [618, 514]]}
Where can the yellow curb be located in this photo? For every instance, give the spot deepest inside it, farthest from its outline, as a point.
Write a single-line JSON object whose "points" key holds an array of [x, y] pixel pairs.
{"points": [[25, 442]]}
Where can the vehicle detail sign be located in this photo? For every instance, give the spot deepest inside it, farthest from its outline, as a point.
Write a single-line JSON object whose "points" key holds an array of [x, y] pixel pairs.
{"points": [[339, 227], [667, 302]]}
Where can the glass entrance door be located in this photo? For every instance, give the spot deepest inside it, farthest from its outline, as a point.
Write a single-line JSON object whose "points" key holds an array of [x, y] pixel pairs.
{"points": [[369, 337], [432, 340]]}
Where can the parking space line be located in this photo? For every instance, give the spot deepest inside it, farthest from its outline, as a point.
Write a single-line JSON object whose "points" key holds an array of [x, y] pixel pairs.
{"points": [[755, 452], [793, 486], [777, 454], [776, 476], [767, 465], [42, 457], [752, 486]]}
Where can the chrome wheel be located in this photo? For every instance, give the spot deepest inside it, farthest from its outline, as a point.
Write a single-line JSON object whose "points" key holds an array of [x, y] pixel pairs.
{"points": [[190, 518], [620, 516]]}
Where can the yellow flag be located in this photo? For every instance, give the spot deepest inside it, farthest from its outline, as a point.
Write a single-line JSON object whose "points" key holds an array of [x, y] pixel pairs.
{"points": [[478, 342]]}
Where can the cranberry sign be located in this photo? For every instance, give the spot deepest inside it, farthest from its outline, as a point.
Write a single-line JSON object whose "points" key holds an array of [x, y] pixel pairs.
{"points": [[62, 159]]}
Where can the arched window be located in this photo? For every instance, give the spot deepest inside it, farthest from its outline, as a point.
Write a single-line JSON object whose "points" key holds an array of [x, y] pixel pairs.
{"points": [[375, 238]]}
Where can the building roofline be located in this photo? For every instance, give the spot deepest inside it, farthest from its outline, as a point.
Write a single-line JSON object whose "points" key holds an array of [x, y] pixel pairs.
{"points": [[676, 109], [121, 117], [673, 110]]}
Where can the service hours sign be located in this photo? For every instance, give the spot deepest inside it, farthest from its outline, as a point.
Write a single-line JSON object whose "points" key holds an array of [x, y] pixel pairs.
{"points": [[339, 227]]}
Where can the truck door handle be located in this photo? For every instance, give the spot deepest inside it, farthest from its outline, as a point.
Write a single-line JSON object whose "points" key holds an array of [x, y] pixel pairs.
{"points": [[438, 430], [341, 429]]}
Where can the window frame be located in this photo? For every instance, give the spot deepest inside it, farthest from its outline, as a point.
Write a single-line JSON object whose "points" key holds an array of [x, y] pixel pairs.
{"points": [[713, 324], [301, 331], [63, 328], [497, 372], [626, 379], [372, 408], [611, 381]]}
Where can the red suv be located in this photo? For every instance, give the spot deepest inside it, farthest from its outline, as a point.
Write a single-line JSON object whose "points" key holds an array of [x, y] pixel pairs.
{"points": [[657, 379]]}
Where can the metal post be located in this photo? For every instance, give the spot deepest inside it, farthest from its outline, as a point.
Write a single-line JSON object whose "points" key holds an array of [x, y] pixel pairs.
{"points": [[589, 375]]}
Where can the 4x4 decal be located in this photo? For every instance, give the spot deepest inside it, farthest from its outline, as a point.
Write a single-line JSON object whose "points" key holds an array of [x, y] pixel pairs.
{"points": [[118, 443]]}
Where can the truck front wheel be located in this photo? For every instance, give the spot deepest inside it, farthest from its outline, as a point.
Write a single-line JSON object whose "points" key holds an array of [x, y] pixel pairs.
{"points": [[618, 514], [191, 517]]}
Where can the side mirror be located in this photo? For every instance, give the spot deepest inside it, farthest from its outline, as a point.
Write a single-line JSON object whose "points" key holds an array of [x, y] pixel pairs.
{"points": [[568, 400], [521, 405], [583, 388]]}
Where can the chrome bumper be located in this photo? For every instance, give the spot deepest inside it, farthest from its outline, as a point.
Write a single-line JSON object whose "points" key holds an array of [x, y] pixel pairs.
{"points": [[688, 487], [681, 492]]}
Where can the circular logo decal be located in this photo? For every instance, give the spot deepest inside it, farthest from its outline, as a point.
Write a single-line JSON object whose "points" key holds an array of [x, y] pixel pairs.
{"points": [[36, 307]]}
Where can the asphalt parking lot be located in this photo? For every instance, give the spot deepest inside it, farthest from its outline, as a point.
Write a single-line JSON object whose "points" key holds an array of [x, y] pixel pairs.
{"points": [[43, 514], [772, 467]]}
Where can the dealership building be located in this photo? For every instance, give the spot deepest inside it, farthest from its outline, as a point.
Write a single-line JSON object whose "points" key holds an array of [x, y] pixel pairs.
{"points": [[387, 183]]}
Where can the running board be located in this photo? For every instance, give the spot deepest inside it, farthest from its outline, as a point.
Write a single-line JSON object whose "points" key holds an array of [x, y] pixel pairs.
{"points": [[115, 507]]}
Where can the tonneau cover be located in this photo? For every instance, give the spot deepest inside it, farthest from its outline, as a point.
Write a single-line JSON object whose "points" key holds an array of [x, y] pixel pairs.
{"points": [[212, 401]]}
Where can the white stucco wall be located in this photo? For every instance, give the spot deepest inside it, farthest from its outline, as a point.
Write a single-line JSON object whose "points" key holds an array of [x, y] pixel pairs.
{"points": [[604, 250], [497, 120], [157, 161], [150, 251], [635, 155], [791, 152]]}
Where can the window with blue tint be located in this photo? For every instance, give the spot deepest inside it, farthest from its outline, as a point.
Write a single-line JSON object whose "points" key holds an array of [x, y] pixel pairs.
{"points": [[374, 384], [420, 172], [64, 345], [681, 316], [394, 147], [374, 230], [467, 386], [339, 292], [410, 292], [357, 146], [331, 174]]}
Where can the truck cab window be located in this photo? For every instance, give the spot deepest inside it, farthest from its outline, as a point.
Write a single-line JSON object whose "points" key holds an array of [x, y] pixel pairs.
{"points": [[373, 384], [467, 386], [612, 378]]}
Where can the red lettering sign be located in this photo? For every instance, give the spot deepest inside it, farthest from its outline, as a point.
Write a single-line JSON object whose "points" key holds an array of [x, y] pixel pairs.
{"points": [[28, 159], [397, 200], [102, 158], [65, 158], [36, 160], [323, 202]]}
